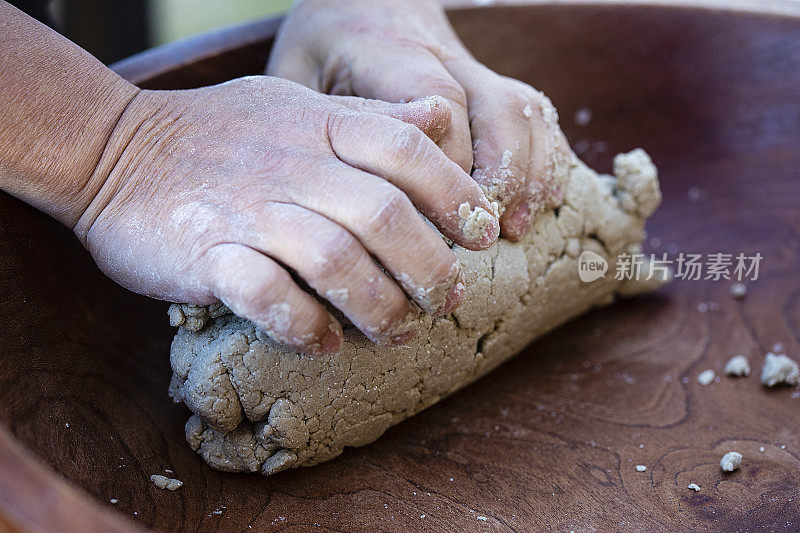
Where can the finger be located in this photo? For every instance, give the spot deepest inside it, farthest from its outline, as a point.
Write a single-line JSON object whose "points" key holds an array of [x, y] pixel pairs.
{"points": [[293, 62], [501, 114], [336, 265], [547, 169], [255, 287], [391, 229], [400, 154], [432, 114], [393, 77]]}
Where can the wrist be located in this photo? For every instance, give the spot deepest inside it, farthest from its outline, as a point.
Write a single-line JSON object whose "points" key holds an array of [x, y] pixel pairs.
{"points": [[124, 141], [59, 107], [107, 111]]}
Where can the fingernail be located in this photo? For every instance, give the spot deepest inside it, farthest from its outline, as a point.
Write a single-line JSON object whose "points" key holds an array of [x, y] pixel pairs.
{"points": [[403, 337], [331, 343], [492, 232], [454, 296], [520, 220]]}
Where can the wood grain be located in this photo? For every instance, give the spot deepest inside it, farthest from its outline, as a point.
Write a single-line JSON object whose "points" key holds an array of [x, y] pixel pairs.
{"points": [[548, 441]]}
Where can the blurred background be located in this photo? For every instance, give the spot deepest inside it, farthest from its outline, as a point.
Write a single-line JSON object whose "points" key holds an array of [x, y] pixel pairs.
{"points": [[115, 29]]}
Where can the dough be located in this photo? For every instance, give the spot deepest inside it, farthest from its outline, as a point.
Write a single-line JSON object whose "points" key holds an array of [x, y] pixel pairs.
{"points": [[777, 369], [706, 377], [163, 482], [730, 461], [738, 365], [260, 407]]}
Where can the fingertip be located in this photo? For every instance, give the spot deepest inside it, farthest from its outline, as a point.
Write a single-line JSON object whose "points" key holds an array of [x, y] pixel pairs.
{"points": [[479, 226], [455, 295], [399, 333], [263, 292], [517, 221], [332, 341], [492, 233], [402, 338], [431, 114], [439, 109]]}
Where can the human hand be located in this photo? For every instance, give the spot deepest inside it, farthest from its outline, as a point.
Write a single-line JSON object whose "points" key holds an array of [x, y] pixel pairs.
{"points": [[402, 50], [215, 193]]}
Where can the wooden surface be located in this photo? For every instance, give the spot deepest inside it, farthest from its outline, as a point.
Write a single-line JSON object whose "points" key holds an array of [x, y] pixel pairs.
{"points": [[550, 440]]}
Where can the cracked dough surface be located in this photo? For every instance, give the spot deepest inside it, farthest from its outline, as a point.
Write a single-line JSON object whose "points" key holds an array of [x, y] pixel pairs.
{"points": [[260, 407]]}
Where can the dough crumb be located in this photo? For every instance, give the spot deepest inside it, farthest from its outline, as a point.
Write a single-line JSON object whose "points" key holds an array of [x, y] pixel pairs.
{"points": [[476, 221], [482, 518], [528, 111], [738, 290], [114, 501], [705, 377], [761, 449], [641, 468], [738, 365], [694, 486], [583, 116], [779, 369], [730, 461], [163, 482]]}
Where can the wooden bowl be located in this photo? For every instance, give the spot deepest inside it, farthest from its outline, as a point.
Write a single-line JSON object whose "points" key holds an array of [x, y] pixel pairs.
{"points": [[550, 440]]}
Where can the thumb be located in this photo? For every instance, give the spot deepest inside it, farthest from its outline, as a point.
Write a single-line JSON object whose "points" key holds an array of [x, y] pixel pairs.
{"points": [[432, 114]]}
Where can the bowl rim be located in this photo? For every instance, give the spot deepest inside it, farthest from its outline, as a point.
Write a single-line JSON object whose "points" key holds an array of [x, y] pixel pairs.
{"points": [[159, 60]]}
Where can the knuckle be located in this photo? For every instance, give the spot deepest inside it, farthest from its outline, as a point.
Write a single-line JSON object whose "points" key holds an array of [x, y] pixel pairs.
{"points": [[516, 98], [337, 257], [272, 288], [337, 123], [449, 89], [406, 142], [391, 212]]}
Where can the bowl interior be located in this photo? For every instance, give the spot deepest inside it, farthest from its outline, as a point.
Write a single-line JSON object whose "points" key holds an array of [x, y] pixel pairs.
{"points": [[552, 436]]}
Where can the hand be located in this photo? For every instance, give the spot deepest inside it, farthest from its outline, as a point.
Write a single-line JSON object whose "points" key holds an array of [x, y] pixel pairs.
{"points": [[215, 193], [402, 50]]}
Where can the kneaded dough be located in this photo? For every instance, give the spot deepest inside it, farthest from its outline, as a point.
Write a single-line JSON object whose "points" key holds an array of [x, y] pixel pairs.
{"points": [[260, 407]]}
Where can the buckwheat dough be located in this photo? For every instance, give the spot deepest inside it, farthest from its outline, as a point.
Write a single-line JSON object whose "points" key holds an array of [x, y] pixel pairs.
{"points": [[778, 368], [260, 407], [730, 461], [738, 365], [706, 377]]}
